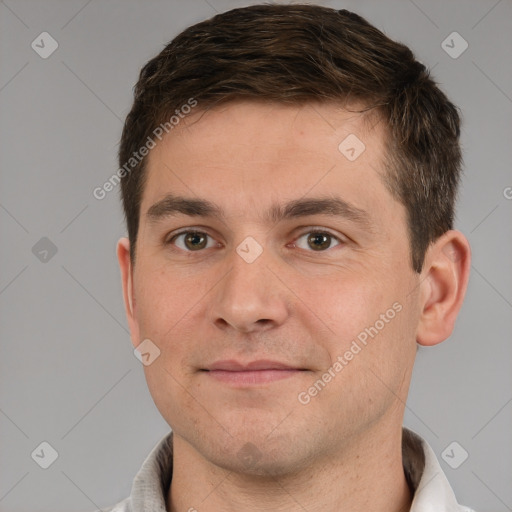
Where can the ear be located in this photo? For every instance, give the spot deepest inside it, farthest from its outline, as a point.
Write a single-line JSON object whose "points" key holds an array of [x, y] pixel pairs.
{"points": [[125, 265], [443, 284]]}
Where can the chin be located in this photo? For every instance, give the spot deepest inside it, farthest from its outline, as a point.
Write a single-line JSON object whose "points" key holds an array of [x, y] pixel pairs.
{"points": [[253, 453], [249, 460]]}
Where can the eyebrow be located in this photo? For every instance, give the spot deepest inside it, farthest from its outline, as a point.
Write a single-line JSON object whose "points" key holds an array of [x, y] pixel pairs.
{"points": [[172, 205]]}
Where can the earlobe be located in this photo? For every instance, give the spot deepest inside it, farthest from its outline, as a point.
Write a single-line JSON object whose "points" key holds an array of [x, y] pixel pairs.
{"points": [[443, 287], [125, 266]]}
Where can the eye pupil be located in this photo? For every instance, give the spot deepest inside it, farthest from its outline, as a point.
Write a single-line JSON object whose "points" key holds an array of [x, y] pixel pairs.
{"points": [[319, 241], [195, 240]]}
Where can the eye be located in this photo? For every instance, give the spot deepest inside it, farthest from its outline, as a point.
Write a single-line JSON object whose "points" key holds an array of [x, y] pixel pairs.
{"points": [[318, 240], [191, 241]]}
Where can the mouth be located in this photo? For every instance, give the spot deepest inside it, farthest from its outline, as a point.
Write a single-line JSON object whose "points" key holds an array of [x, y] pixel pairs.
{"points": [[253, 373]]}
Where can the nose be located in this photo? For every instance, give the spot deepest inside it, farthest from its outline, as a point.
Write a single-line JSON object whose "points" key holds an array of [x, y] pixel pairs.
{"points": [[249, 298]]}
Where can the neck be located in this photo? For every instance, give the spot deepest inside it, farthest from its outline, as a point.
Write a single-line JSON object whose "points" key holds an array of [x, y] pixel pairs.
{"points": [[366, 474]]}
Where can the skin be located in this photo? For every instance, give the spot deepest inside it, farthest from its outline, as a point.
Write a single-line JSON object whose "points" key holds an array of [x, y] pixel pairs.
{"points": [[294, 304]]}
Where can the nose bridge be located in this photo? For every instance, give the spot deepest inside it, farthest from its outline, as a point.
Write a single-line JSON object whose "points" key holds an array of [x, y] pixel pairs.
{"points": [[249, 296]]}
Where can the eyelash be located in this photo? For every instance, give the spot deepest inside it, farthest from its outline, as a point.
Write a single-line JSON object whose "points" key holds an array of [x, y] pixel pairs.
{"points": [[309, 231]]}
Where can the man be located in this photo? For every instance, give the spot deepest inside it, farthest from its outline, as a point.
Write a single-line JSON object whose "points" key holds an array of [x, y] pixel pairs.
{"points": [[288, 179]]}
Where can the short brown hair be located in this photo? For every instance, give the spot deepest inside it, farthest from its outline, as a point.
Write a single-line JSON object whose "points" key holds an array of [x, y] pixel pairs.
{"points": [[298, 53]]}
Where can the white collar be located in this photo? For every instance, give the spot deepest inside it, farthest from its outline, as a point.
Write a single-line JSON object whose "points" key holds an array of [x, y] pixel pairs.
{"points": [[432, 492]]}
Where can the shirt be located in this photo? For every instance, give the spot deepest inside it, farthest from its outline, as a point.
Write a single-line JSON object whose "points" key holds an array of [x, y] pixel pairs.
{"points": [[432, 492]]}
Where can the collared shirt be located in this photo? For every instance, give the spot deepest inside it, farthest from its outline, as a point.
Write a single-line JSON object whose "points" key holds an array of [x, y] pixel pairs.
{"points": [[432, 492]]}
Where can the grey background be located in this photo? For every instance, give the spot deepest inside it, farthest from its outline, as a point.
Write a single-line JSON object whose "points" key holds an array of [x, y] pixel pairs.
{"points": [[67, 370]]}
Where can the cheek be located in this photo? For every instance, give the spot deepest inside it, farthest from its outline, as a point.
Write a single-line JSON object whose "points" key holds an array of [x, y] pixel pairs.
{"points": [[345, 304], [370, 318], [166, 302], [164, 298]]}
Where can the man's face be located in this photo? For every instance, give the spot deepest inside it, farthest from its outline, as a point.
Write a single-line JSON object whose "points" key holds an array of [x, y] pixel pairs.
{"points": [[244, 288]]}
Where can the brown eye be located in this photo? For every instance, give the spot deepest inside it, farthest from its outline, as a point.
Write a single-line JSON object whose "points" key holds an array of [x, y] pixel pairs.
{"points": [[195, 240], [190, 241], [318, 241]]}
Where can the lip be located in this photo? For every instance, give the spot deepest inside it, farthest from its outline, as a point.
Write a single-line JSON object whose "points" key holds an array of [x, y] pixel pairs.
{"points": [[230, 365], [252, 373]]}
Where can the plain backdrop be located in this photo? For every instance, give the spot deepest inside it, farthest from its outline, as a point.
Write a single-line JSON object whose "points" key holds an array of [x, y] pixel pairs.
{"points": [[67, 370]]}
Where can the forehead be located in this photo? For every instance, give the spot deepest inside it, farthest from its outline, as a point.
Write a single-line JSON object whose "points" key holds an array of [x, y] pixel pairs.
{"points": [[273, 126], [247, 153]]}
